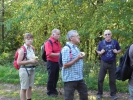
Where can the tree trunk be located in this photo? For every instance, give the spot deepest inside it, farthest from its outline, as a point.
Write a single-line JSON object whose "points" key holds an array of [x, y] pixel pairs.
{"points": [[3, 20]]}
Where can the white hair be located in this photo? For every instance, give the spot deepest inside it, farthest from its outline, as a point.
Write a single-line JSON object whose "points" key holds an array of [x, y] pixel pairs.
{"points": [[55, 31], [107, 31], [70, 34]]}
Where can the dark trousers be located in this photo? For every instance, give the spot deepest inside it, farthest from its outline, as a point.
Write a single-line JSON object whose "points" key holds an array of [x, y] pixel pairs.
{"points": [[104, 67], [70, 87], [53, 75]]}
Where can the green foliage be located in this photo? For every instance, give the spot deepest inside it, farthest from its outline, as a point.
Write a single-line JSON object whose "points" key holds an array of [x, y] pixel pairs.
{"points": [[89, 17], [6, 57], [8, 74]]}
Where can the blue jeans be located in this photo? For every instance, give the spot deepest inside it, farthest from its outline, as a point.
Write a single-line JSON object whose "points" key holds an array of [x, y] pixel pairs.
{"points": [[130, 88]]}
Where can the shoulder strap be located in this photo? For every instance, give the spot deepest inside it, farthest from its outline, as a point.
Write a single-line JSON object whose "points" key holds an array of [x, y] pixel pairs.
{"points": [[24, 49], [33, 48], [104, 44], [25, 52], [70, 50], [112, 43], [50, 43], [69, 47]]}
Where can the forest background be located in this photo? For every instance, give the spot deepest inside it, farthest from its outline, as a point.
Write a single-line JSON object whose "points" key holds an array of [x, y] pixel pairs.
{"points": [[89, 17]]}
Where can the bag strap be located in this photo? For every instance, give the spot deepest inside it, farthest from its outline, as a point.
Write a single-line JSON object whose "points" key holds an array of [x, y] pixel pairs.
{"points": [[70, 50], [50, 43], [104, 45], [112, 43], [25, 52], [33, 48]]}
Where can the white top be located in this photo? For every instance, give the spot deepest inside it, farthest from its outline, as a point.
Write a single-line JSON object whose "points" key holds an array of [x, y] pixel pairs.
{"points": [[30, 55]]}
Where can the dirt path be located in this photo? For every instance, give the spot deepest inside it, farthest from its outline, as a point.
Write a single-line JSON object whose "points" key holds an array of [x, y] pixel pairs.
{"points": [[9, 88]]}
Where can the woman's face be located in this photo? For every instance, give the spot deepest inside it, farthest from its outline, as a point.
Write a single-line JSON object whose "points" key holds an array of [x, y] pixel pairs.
{"points": [[28, 40]]}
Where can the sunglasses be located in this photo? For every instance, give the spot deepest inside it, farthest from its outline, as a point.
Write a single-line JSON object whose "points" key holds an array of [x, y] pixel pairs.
{"points": [[107, 34]]}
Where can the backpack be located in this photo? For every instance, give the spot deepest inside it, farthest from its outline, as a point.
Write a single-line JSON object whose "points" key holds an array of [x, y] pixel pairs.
{"points": [[60, 56], [44, 57], [124, 71], [104, 44], [16, 57]]}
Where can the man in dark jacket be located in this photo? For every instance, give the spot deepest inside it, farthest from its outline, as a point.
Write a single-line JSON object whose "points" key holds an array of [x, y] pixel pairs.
{"points": [[130, 85]]}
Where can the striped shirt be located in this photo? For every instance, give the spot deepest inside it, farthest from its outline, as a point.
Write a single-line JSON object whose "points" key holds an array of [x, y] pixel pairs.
{"points": [[74, 72]]}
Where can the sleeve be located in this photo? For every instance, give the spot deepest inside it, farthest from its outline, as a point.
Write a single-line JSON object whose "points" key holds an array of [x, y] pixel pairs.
{"points": [[48, 48], [131, 55], [117, 46], [99, 46], [65, 55], [131, 52]]}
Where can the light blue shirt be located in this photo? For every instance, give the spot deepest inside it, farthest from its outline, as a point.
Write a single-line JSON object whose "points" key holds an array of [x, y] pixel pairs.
{"points": [[74, 72]]}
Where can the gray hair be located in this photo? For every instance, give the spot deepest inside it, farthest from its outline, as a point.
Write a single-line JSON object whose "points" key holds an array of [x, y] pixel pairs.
{"points": [[70, 34], [55, 31], [28, 35], [107, 31]]}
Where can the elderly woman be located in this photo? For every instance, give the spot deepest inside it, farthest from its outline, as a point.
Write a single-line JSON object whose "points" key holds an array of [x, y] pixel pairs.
{"points": [[27, 70]]}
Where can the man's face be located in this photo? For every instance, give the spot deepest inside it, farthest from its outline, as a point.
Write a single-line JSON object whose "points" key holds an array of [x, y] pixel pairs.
{"points": [[75, 38], [107, 36], [56, 35]]}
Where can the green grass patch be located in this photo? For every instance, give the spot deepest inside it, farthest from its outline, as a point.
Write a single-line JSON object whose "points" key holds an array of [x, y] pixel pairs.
{"points": [[8, 74]]}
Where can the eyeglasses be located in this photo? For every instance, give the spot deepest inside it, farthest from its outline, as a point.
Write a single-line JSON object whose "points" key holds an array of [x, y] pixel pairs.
{"points": [[76, 36], [107, 34]]}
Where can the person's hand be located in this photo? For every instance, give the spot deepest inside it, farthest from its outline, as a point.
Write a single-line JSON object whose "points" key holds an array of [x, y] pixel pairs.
{"points": [[115, 51], [82, 53], [33, 61], [102, 51], [36, 58], [80, 56]]}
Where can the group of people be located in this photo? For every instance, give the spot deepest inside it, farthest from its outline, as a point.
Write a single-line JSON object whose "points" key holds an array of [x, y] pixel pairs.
{"points": [[72, 69]]}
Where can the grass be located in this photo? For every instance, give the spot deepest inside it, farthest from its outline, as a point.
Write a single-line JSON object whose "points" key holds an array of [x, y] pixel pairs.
{"points": [[8, 74], [38, 93]]}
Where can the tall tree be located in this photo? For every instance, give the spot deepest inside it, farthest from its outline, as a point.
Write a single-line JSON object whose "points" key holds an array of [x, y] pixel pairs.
{"points": [[89, 17], [3, 20]]}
